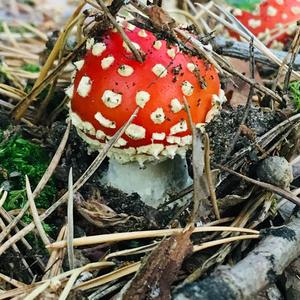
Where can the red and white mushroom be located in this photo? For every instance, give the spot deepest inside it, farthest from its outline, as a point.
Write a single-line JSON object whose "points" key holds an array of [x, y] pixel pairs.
{"points": [[110, 84], [273, 20]]}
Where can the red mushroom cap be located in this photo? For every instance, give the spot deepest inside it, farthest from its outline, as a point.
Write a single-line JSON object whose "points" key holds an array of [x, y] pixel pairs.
{"points": [[110, 84], [270, 17]]}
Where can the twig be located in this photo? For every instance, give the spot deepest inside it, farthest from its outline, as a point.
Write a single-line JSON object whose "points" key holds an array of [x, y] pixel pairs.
{"points": [[210, 184], [283, 193], [70, 228], [135, 51]]}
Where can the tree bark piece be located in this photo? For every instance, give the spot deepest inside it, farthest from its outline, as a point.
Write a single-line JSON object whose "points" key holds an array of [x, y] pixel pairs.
{"points": [[269, 259], [236, 49]]}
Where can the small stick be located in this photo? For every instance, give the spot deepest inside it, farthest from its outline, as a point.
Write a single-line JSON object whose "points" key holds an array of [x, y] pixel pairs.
{"points": [[135, 51], [283, 193], [210, 184], [70, 229]]}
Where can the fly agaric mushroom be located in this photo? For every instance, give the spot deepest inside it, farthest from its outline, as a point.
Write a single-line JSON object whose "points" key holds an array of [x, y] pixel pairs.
{"points": [[273, 21], [110, 84]]}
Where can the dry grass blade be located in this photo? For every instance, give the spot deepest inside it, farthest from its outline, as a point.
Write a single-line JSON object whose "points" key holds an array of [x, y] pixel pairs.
{"points": [[223, 241], [55, 260], [52, 166], [79, 183], [69, 285], [125, 236], [34, 294], [60, 277], [132, 251], [12, 281], [70, 228], [3, 195], [119, 273], [35, 214]]}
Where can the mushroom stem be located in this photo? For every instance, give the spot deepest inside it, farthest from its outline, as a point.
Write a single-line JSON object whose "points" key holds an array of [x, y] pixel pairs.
{"points": [[153, 183]]}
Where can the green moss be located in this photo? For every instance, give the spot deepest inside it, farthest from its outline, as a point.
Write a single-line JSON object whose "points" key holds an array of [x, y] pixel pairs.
{"points": [[14, 29], [249, 5], [32, 68], [19, 157], [295, 93]]}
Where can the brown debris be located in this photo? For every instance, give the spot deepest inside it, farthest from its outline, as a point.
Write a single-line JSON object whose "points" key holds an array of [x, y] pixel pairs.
{"points": [[160, 269]]}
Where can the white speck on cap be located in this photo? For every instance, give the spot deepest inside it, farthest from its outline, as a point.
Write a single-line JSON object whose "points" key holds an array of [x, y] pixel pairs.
{"points": [[125, 70], [280, 2], [142, 33], [254, 23], [100, 135], [104, 122], [187, 88], [84, 86], [191, 67], [142, 98], [135, 132], [295, 10], [152, 149], [158, 116], [79, 64], [159, 136], [159, 70], [174, 139], [98, 49], [176, 106], [172, 52], [271, 11], [170, 151], [179, 127], [120, 143], [157, 45], [106, 62], [111, 99]]}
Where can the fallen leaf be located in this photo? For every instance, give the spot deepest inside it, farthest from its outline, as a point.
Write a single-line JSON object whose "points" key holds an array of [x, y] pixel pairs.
{"points": [[98, 213], [237, 90]]}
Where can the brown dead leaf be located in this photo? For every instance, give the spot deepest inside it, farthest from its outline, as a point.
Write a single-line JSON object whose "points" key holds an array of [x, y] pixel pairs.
{"points": [[160, 18], [98, 213], [237, 90], [158, 272]]}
